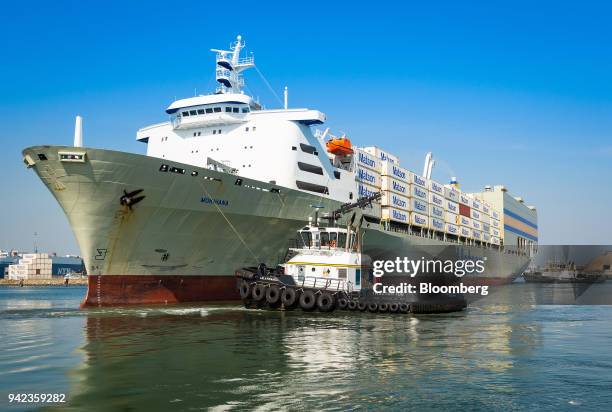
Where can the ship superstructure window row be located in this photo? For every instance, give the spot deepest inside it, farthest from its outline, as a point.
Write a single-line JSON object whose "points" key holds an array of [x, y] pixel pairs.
{"points": [[214, 109]]}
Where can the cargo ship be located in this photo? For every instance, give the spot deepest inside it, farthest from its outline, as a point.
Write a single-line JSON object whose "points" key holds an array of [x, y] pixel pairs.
{"points": [[226, 183]]}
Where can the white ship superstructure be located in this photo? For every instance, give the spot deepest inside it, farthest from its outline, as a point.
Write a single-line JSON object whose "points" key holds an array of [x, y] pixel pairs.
{"points": [[226, 183]]}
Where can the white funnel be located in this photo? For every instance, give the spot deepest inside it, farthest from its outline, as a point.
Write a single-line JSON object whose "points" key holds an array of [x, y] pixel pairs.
{"points": [[426, 165], [78, 132], [432, 162]]}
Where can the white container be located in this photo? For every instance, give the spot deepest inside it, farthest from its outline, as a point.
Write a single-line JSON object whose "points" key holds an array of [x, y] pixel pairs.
{"points": [[477, 234], [419, 193], [419, 206], [452, 218], [391, 213], [465, 221], [29, 256], [465, 199], [393, 170], [395, 200], [451, 206], [486, 208], [465, 232], [451, 193], [437, 212], [485, 218], [436, 187], [475, 214], [367, 176], [476, 225], [436, 224], [476, 204], [486, 237], [418, 219], [452, 229], [495, 232], [418, 180], [496, 224], [494, 214], [495, 240], [26, 261], [381, 155], [364, 190], [396, 186], [436, 199], [486, 227], [366, 160]]}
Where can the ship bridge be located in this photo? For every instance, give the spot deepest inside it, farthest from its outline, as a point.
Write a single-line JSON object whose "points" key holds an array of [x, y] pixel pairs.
{"points": [[223, 108]]}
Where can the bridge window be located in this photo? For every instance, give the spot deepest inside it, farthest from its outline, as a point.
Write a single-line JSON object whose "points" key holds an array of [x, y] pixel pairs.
{"points": [[209, 110], [192, 112], [217, 109], [228, 109], [200, 111], [185, 114], [236, 110], [245, 110]]}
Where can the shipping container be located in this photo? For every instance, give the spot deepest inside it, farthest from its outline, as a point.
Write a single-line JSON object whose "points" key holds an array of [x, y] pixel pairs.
{"points": [[418, 219], [465, 221], [436, 187], [486, 227], [418, 180], [495, 240], [494, 214], [486, 237], [485, 218], [452, 229], [419, 192], [475, 214], [396, 215], [496, 224], [452, 218], [495, 232], [436, 224], [476, 224], [381, 155], [367, 176], [452, 207], [436, 199], [365, 190], [465, 232], [477, 234], [419, 206], [396, 186], [393, 170], [486, 208], [476, 204], [395, 200], [464, 210], [437, 212], [366, 160], [464, 199], [451, 193]]}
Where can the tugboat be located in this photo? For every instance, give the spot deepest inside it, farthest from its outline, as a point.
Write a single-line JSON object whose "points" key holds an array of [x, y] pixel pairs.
{"points": [[556, 272], [328, 271]]}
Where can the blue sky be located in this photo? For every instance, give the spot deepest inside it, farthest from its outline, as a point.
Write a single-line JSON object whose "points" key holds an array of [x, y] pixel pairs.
{"points": [[518, 94]]}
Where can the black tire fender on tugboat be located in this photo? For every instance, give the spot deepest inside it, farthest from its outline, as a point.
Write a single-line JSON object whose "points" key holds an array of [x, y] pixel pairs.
{"points": [[393, 307], [404, 308], [259, 292], [362, 306], [245, 289], [308, 300], [373, 307], [326, 302], [273, 294], [289, 297], [383, 307], [342, 303], [352, 305]]}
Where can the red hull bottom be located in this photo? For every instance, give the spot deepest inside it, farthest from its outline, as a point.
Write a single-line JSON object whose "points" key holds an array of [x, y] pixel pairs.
{"points": [[120, 290]]}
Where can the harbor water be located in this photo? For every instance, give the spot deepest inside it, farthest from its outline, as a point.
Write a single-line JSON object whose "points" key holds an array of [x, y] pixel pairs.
{"points": [[499, 355]]}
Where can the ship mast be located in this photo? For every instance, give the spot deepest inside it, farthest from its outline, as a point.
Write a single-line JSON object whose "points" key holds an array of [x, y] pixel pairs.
{"points": [[229, 67]]}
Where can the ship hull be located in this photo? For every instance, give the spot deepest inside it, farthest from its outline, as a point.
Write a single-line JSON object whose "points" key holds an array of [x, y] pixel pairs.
{"points": [[194, 227]]}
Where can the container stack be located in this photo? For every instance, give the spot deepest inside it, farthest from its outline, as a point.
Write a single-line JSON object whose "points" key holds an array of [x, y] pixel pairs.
{"points": [[367, 174], [31, 266], [496, 227]]}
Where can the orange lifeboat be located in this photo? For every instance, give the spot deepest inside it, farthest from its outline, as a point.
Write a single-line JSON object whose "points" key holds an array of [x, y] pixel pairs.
{"points": [[340, 146]]}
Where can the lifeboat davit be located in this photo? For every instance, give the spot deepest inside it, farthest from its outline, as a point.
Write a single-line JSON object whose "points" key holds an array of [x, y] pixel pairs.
{"points": [[340, 146]]}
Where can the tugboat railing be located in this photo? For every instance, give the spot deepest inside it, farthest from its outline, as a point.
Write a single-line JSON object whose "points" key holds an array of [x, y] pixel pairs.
{"points": [[324, 283]]}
